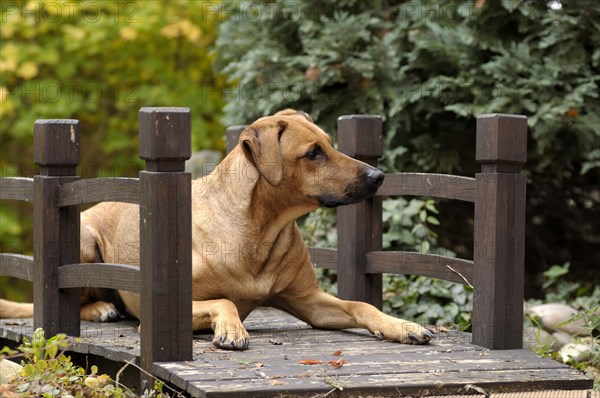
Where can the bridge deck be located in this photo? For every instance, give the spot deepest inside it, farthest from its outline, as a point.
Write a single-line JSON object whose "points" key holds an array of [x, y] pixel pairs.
{"points": [[282, 349]]}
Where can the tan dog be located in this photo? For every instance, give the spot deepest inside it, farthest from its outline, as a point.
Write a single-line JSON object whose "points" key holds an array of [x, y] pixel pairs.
{"points": [[247, 249]]}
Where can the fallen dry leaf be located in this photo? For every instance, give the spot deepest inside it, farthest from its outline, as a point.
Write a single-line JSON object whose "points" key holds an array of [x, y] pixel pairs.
{"points": [[337, 353], [336, 363], [310, 362], [276, 382], [258, 365]]}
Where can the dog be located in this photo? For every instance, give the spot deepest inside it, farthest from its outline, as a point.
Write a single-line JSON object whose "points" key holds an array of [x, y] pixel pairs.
{"points": [[247, 250]]}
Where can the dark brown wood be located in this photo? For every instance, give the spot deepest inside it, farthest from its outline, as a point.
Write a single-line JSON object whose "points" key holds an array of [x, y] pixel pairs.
{"points": [[17, 266], [359, 225], [430, 185], [163, 143], [93, 190], [56, 146], [424, 264], [323, 258], [165, 236], [232, 135], [106, 275], [499, 232], [16, 188], [56, 230]]}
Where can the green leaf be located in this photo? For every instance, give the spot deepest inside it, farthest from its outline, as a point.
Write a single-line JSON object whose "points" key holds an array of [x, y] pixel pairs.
{"points": [[433, 220], [554, 273]]}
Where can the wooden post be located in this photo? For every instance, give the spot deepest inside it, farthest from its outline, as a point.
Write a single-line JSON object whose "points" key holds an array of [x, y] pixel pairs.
{"points": [[359, 225], [499, 232], [165, 237], [233, 136], [55, 230]]}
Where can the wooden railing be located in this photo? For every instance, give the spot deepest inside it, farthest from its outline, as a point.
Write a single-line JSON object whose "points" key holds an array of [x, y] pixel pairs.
{"points": [[163, 192]]}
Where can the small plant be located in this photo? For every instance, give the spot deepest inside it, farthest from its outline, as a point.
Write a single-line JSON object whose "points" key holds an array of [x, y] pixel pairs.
{"points": [[49, 372]]}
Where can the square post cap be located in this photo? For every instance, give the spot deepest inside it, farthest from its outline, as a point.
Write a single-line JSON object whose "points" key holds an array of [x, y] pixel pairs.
{"points": [[501, 140], [360, 135], [56, 142], [165, 134]]}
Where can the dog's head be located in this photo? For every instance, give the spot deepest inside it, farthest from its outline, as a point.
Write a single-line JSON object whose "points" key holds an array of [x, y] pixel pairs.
{"points": [[294, 156]]}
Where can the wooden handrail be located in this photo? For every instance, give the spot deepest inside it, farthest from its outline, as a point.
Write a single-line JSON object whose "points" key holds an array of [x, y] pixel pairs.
{"points": [[17, 266], [428, 184], [323, 257], [16, 188], [103, 275], [93, 190], [424, 264]]}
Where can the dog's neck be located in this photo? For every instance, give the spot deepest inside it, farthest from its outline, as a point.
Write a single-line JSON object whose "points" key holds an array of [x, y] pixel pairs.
{"points": [[236, 189]]}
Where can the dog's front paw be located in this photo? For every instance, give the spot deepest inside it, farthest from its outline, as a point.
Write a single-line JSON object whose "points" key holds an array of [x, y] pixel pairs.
{"points": [[231, 336], [100, 311], [406, 333]]}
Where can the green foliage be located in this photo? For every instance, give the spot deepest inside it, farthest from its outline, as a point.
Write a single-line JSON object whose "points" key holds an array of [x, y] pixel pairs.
{"points": [[559, 289], [409, 225], [99, 62], [429, 68], [49, 372]]}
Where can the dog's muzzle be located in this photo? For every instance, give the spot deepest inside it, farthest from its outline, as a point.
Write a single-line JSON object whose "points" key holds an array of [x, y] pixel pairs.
{"points": [[364, 188]]}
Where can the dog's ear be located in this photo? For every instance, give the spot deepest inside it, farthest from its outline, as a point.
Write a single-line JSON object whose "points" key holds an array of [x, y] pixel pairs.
{"points": [[289, 112], [261, 144]]}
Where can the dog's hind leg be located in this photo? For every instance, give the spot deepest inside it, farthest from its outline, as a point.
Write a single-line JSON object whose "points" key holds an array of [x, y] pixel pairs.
{"points": [[223, 317], [10, 309], [93, 308]]}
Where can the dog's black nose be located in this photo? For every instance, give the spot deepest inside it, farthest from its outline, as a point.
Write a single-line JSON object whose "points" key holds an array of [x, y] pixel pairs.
{"points": [[375, 176]]}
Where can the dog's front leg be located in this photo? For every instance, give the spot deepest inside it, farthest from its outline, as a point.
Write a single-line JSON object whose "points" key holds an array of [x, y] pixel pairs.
{"points": [[222, 316], [322, 310]]}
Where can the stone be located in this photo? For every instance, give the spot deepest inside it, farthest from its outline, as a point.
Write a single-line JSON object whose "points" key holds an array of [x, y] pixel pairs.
{"points": [[555, 317], [575, 352], [8, 370]]}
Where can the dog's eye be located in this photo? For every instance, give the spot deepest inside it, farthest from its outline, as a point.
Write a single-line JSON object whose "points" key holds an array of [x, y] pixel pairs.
{"points": [[315, 153]]}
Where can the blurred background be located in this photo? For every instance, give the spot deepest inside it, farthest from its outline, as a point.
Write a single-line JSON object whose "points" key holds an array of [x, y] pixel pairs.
{"points": [[427, 67]]}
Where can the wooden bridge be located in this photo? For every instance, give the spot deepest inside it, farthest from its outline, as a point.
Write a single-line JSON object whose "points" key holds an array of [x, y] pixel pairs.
{"points": [[286, 357]]}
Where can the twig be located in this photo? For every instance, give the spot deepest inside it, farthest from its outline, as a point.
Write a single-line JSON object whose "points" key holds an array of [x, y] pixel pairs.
{"points": [[461, 275], [131, 363]]}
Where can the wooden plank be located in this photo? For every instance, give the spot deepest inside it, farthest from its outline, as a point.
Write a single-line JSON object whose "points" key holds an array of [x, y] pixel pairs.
{"points": [[359, 225], [99, 190], [323, 258], [424, 264], [430, 185], [17, 266], [16, 188], [282, 361], [105, 275]]}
